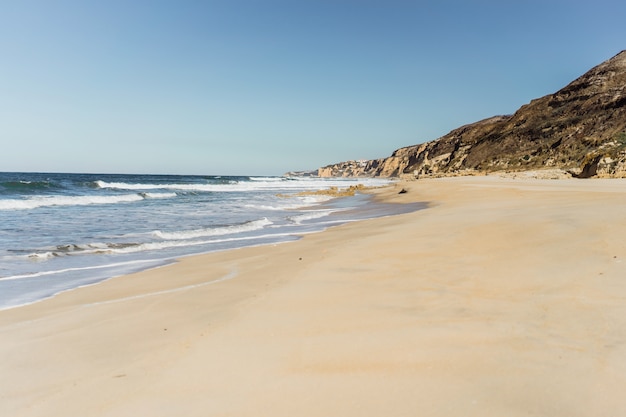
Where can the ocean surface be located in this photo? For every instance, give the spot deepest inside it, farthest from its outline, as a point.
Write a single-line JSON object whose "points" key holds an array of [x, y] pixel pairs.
{"points": [[63, 231]]}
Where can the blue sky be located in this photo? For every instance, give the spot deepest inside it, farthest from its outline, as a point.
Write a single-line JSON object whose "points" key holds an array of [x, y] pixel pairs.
{"points": [[247, 87]]}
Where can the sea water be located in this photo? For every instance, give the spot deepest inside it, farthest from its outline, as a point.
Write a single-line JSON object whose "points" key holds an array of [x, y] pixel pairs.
{"points": [[63, 231]]}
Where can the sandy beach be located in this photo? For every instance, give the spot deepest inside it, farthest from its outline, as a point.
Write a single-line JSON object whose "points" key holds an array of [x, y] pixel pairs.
{"points": [[506, 297]]}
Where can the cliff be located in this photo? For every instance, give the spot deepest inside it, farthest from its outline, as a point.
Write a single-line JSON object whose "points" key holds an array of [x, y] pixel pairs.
{"points": [[580, 129]]}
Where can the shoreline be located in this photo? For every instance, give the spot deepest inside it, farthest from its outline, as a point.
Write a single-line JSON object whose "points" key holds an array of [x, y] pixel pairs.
{"points": [[24, 289], [377, 195], [504, 297]]}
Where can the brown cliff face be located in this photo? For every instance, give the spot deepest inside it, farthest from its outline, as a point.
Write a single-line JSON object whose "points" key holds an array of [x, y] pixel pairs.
{"points": [[581, 129]]}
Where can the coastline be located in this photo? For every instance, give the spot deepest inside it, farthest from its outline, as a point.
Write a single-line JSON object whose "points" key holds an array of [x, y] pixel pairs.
{"points": [[45, 251], [504, 297]]}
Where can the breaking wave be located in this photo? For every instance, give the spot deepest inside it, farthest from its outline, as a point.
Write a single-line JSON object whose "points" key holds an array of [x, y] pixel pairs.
{"points": [[126, 248], [182, 187], [25, 187], [311, 215], [214, 231], [252, 184], [49, 201]]}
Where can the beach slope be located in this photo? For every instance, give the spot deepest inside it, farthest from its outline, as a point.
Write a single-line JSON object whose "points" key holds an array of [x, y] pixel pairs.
{"points": [[506, 297]]}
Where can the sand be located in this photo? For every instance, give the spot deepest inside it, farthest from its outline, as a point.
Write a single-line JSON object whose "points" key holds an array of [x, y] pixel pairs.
{"points": [[506, 297]]}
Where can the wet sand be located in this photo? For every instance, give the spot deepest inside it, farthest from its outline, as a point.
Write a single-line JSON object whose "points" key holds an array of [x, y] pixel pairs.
{"points": [[506, 297]]}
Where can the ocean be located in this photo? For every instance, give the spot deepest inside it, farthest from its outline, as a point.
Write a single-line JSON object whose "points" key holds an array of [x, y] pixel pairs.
{"points": [[63, 231]]}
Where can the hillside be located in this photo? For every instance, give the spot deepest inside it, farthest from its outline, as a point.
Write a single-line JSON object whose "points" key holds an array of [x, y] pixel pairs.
{"points": [[580, 129]]}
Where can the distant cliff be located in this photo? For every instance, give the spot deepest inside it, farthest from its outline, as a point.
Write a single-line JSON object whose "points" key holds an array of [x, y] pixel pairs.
{"points": [[580, 129]]}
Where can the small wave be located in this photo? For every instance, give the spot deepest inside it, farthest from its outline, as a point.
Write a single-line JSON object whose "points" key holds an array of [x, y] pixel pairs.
{"points": [[28, 186], [151, 246], [89, 247], [124, 185], [310, 215], [45, 254], [228, 186], [48, 201], [290, 203], [315, 199], [253, 184], [217, 231], [183, 187], [170, 240], [225, 180], [158, 195], [268, 179], [72, 248], [127, 248], [270, 208]]}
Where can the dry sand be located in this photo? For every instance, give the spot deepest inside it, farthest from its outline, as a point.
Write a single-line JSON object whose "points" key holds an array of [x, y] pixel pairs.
{"points": [[504, 298]]}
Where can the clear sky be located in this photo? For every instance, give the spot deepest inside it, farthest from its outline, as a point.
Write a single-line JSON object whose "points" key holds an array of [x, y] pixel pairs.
{"points": [[261, 87]]}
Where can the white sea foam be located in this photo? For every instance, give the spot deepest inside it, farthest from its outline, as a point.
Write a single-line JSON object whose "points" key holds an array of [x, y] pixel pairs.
{"points": [[267, 179], [127, 186], [47, 201], [315, 199], [291, 203], [158, 195], [266, 207], [311, 215], [65, 250], [216, 231], [167, 244], [41, 256], [182, 187], [84, 200], [175, 240], [281, 205], [255, 183]]}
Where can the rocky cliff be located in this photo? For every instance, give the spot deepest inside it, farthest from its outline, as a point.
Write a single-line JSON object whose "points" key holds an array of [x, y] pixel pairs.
{"points": [[580, 129]]}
